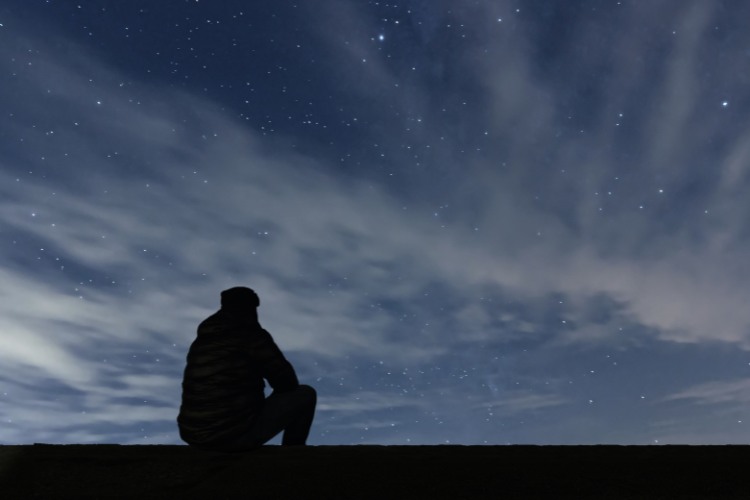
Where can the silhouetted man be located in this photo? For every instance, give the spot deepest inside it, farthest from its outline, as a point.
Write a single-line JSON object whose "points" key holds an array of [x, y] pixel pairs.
{"points": [[223, 400]]}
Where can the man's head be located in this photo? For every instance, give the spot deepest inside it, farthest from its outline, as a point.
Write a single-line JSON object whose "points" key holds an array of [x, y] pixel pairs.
{"points": [[239, 298]]}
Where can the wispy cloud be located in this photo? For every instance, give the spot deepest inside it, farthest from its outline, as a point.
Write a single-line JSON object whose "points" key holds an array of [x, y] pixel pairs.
{"points": [[736, 392], [522, 402]]}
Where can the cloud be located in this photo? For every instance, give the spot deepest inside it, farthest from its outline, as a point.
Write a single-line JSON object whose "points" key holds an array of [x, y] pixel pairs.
{"points": [[366, 401], [523, 402], [627, 205], [734, 392]]}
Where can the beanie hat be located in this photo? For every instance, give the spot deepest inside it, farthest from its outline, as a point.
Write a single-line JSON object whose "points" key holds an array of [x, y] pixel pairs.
{"points": [[239, 297]]}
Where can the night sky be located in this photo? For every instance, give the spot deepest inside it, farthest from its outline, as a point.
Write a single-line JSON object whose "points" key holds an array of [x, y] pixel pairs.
{"points": [[469, 222]]}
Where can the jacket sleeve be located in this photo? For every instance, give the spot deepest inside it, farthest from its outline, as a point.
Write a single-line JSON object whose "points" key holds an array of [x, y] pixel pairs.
{"points": [[275, 368]]}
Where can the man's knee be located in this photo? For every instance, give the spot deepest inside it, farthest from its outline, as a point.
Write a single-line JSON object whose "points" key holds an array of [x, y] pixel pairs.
{"points": [[308, 393]]}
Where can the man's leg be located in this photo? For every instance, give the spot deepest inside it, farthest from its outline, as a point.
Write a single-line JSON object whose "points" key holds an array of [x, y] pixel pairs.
{"points": [[296, 432], [291, 412]]}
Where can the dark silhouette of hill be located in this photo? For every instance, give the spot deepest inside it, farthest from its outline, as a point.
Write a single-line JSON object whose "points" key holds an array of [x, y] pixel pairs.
{"points": [[106, 471]]}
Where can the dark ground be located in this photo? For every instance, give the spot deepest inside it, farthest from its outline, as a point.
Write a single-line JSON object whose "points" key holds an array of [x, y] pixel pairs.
{"points": [[383, 472]]}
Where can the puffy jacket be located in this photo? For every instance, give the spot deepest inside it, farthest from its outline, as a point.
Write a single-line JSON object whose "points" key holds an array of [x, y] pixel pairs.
{"points": [[223, 387]]}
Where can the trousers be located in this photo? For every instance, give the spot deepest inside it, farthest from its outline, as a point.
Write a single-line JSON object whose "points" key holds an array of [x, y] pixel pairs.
{"points": [[290, 412]]}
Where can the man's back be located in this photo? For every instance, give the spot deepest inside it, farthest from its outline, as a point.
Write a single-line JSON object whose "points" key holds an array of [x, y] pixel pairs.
{"points": [[222, 388]]}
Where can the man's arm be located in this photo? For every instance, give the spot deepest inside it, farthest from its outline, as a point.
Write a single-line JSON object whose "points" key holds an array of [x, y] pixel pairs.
{"points": [[275, 368]]}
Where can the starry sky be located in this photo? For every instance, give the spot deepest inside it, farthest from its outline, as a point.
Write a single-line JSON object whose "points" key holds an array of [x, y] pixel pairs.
{"points": [[474, 222]]}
